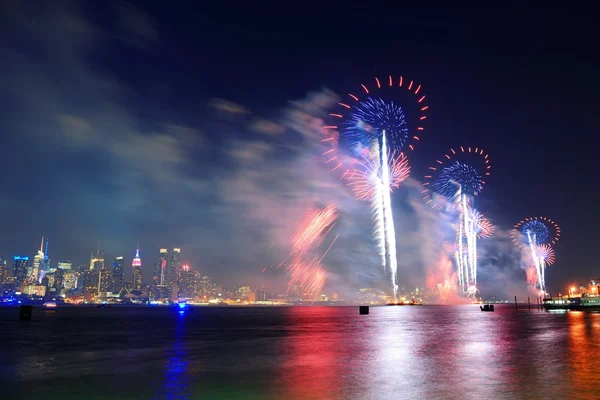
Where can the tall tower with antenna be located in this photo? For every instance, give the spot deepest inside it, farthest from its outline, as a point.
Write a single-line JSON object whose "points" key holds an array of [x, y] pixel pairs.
{"points": [[137, 269]]}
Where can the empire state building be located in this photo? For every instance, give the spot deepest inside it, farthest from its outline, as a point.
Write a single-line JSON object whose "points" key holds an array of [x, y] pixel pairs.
{"points": [[137, 269]]}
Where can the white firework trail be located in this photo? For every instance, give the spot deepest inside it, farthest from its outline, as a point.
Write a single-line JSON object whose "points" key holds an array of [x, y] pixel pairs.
{"points": [[538, 262], [382, 210], [466, 246]]}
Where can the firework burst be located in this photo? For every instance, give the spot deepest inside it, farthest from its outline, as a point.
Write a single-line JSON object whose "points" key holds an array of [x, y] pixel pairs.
{"points": [[305, 269], [374, 125], [458, 178], [368, 171], [535, 236]]}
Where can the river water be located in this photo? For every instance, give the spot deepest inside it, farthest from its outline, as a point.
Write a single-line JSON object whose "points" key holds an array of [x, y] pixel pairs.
{"points": [[428, 352]]}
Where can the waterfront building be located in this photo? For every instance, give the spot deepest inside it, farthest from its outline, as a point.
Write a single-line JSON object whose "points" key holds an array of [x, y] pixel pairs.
{"points": [[35, 290], [245, 292]]}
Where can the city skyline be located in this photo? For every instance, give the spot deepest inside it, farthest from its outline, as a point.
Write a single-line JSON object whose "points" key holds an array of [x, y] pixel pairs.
{"points": [[99, 260]]}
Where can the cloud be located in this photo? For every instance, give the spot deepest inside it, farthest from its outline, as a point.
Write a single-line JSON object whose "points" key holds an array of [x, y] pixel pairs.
{"points": [[139, 28], [267, 127], [228, 108]]}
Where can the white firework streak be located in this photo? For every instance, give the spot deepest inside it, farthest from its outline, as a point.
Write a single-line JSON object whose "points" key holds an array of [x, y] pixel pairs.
{"points": [[466, 252], [538, 262], [384, 220]]}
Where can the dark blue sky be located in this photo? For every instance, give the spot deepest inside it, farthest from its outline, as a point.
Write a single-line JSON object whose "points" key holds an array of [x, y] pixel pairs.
{"points": [[136, 121]]}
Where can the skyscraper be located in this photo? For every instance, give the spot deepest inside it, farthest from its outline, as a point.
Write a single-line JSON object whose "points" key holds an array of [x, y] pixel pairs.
{"points": [[69, 279], [3, 271], [20, 265], [118, 274], [186, 283], [161, 268], [104, 282], [172, 273], [40, 263], [97, 261], [59, 275], [137, 269]]}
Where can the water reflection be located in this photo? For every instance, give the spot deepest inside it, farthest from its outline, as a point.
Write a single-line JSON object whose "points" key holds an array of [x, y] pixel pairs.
{"points": [[315, 354], [583, 344], [442, 352], [176, 384]]}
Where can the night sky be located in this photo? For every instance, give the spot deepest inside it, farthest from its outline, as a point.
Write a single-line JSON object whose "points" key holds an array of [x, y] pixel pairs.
{"points": [[174, 124]]}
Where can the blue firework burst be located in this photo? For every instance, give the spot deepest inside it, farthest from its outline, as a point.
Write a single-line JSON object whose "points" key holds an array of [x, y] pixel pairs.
{"points": [[538, 231], [458, 176], [369, 118]]}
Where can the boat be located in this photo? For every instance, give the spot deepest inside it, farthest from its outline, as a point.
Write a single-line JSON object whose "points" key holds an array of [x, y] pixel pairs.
{"points": [[49, 305], [487, 307], [583, 302]]}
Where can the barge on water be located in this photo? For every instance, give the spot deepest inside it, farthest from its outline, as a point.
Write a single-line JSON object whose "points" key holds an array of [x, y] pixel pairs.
{"points": [[583, 302]]}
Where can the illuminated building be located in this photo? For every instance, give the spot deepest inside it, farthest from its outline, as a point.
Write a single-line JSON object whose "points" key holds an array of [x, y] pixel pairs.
{"points": [[65, 265], [35, 290], [197, 282], [40, 263], [136, 265], [161, 268], [104, 282], [3, 271], [48, 280], [20, 268], [206, 287], [90, 284], [118, 275], [186, 283], [97, 261], [69, 279], [58, 278], [244, 292], [172, 273], [80, 275]]}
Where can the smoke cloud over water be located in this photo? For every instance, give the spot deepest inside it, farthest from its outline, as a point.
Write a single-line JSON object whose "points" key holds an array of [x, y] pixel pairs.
{"points": [[278, 192]]}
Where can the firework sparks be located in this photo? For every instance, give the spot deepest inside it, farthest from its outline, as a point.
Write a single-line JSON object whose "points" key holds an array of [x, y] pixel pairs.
{"points": [[441, 278], [460, 182], [539, 234], [362, 178], [372, 116], [305, 269]]}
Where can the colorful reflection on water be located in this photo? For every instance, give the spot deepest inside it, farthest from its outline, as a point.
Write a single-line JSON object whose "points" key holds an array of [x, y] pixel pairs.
{"points": [[300, 353]]}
